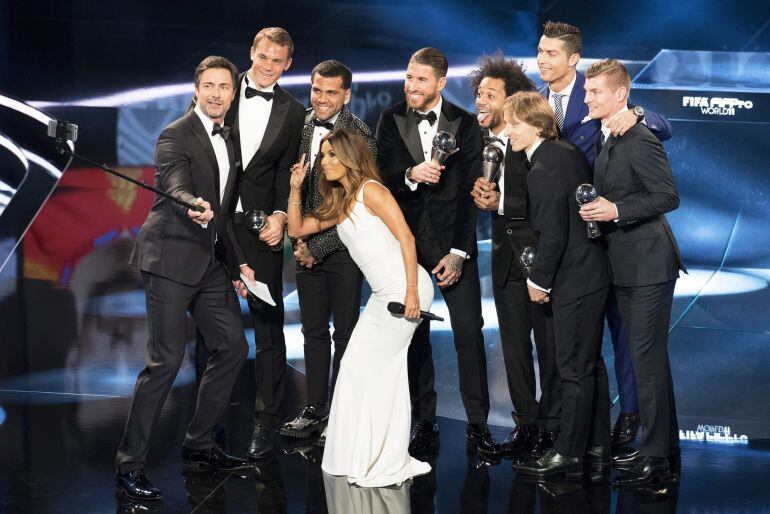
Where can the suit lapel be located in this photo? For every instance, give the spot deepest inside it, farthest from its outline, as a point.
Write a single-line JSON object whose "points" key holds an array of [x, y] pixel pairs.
{"points": [[203, 138], [407, 128], [278, 113], [448, 122], [575, 105], [231, 118], [234, 165], [602, 160]]}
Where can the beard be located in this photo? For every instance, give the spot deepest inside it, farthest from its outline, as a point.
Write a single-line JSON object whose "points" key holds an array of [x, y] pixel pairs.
{"points": [[426, 99]]}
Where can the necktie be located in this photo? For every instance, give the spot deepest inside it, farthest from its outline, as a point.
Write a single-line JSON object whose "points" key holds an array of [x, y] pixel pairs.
{"points": [[488, 140], [431, 117], [325, 124], [558, 110], [251, 93], [602, 138], [222, 130]]}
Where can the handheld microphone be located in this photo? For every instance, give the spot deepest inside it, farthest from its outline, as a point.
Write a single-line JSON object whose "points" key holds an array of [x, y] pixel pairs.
{"points": [[399, 308]]}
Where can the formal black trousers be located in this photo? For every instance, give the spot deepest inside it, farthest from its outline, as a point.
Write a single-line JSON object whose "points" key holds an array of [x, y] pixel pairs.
{"points": [[214, 308], [463, 300], [517, 317], [646, 312], [585, 402], [330, 288]]}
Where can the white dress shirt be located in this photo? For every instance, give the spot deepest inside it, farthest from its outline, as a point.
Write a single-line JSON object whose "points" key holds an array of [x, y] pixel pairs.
{"points": [[566, 92], [220, 150], [253, 115], [318, 133]]}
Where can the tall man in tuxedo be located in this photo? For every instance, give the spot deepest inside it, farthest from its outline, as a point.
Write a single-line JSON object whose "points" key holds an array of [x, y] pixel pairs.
{"points": [[506, 198], [182, 254], [632, 175], [267, 124], [558, 53], [328, 281], [440, 212]]}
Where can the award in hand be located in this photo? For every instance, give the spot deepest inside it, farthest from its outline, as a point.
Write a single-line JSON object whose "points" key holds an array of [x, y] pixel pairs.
{"points": [[444, 145], [491, 158], [256, 221], [585, 194], [527, 259]]}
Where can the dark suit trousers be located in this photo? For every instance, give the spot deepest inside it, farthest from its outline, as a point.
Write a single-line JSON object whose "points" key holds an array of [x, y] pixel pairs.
{"points": [[214, 308], [270, 357], [463, 300], [331, 287], [585, 403], [624, 368], [646, 312], [517, 317]]}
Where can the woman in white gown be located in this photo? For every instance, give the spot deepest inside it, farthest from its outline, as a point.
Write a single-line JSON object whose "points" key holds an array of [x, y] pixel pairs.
{"points": [[367, 438]]}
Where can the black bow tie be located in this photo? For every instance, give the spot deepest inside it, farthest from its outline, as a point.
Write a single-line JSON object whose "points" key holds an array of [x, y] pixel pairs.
{"points": [[222, 130], [488, 140], [325, 124], [251, 93], [431, 117]]}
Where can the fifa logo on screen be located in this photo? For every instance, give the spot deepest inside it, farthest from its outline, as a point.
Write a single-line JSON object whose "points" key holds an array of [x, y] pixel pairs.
{"points": [[713, 433], [716, 106]]}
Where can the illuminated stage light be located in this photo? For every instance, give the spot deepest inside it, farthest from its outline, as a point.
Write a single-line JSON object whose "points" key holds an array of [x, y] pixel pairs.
{"points": [[704, 282], [2, 416]]}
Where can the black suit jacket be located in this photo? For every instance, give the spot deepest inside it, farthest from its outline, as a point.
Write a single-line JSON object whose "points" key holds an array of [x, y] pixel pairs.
{"points": [[633, 172], [511, 232], [263, 182], [447, 208], [567, 262], [170, 244]]}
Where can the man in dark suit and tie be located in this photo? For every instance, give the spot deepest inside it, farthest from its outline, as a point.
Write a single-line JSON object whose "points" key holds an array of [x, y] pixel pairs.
{"points": [[537, 422], [440, 212], [184, 256], [632, 175], [569, 271], [558, 53], [328, 281], [267, 125]]}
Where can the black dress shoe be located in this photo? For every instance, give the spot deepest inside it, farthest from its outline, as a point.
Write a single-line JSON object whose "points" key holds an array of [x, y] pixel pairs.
{"points": [[261, 444], [479, 436], [424, 438], [553, 463], [520, 438], [598, 457], [213, 459], [625, 458], [646, 471], [136, 486], [310, 421], [625, 429], [543, 442]]}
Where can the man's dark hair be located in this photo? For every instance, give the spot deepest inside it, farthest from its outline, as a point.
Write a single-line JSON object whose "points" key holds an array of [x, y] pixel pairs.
{"points": [[570, 34], [333, 68], [215, 61], [510, 72], [432, 57]]}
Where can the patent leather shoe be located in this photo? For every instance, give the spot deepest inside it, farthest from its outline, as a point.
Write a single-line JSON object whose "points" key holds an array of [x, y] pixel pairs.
{"points": [[646, 471], [213, 459], [480, 438], [520, 438], [261, 444], [625, 458], [424, 438], [136, 486], [543, 442], [553, 463], [625, 429], [599, 458]]}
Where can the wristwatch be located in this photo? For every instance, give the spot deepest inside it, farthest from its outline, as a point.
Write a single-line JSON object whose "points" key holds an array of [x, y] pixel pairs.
{"points": [[409, 174], [639, 111]]}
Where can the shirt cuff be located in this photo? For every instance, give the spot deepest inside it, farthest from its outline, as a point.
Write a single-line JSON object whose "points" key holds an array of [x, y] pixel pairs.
{"points": [[617, 214], [462, 254], [532, 284], [411, 185]]}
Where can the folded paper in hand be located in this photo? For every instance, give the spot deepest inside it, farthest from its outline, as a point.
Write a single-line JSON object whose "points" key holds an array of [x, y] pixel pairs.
{"points": [[258, 289]]}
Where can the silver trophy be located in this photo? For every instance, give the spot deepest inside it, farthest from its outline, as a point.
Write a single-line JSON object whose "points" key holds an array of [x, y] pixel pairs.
{"points": [[491, 158], [585, 194], [527, 258], [256, 221], [444, 145]]}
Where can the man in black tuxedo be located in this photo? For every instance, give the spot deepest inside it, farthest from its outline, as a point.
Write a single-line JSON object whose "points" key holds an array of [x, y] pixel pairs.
{"points": [[569, 271], [181, 254], [440, 212], [634, 180], [536, 422], [267, 125], [328, 281]]}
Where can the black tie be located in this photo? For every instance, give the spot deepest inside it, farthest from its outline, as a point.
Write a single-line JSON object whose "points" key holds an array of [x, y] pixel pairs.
{"points": [[602, 139], [431, 117], [325, 124], [488, 140], [222, 130], [251, 93]]}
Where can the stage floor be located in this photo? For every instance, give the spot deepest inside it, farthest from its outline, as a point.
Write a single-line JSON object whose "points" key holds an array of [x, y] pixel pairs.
{"points": [[57, 452]]}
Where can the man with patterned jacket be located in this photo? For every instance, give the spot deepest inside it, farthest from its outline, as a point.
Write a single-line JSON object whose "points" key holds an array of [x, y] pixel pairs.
{"points": [[328, 281]]}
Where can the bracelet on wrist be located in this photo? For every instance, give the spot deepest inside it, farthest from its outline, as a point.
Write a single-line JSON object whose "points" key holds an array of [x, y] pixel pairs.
{"points": [[293, 203], [415, 285]]}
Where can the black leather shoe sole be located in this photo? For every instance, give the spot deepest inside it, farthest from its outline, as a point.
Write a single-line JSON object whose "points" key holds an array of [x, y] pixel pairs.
{"points": [[123, 491]]}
